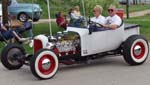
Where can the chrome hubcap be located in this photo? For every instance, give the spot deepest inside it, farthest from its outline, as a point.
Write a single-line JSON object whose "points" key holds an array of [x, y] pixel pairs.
{"points": [[137, 50], [46, 64]]}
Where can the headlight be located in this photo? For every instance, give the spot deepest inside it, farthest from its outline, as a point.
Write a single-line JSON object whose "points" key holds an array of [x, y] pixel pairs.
{"points": [[35, 9]]}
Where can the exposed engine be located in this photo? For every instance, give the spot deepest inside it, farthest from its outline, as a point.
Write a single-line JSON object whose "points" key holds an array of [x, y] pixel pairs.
{"points": [[66, 43]]}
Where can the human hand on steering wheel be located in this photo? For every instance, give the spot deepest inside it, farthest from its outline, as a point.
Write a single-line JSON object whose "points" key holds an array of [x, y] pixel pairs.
{"points": [[95, 24]]}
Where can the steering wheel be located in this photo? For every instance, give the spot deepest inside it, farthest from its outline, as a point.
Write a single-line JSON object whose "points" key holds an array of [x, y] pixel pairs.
{"points": [[92, 23]]}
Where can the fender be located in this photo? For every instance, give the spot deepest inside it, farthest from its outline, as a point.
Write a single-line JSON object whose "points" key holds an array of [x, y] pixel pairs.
{"points": [[40, 41]]}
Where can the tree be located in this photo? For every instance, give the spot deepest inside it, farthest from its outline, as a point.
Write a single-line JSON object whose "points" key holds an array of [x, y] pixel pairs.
{"points": [[5, 11]]}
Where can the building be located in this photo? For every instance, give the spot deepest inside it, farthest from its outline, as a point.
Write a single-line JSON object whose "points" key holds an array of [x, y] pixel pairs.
{"points": [[137, 1]]}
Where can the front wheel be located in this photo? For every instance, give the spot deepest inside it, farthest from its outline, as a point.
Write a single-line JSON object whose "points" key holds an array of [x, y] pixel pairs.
{"points": [[44, 64], [135, 50]]}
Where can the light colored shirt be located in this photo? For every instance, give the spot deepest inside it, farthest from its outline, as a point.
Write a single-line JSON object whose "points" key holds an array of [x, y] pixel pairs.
{"points": [[114, 20], [74, 16], [77, 13], [101, 19]]}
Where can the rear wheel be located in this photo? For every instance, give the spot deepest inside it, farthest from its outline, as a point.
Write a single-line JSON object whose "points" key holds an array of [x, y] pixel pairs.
{"points": [[10, 55], [44, 64], [135, 50]]}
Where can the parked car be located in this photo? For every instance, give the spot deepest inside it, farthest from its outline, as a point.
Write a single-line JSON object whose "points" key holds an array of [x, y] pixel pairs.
{"points": [[24, 11]]}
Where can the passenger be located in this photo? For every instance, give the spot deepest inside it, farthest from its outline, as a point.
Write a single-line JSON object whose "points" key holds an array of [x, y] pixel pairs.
{"points": [[77, 12], [98, 18], [61, 20], [76, 19], [72, 14], [113, 21], [8, 34]]}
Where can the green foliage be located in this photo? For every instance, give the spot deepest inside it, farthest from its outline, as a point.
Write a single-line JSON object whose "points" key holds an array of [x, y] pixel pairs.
{"points": [[65, 5], [89, 4], [144, 24]]}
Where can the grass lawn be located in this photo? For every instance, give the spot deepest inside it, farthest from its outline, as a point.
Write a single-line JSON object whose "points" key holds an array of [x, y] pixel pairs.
{"points": [[44, 29], [144, 23]]}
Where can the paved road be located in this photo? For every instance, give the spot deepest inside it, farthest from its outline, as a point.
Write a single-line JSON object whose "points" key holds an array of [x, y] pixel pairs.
{"points": [[139, 13], [106, 71]]}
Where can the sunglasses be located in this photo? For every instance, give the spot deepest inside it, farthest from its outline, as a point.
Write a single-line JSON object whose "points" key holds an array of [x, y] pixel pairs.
{"points": [[110, 10]]}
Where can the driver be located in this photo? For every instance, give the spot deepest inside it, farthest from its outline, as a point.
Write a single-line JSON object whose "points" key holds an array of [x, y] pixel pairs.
{"points": [[98, 18], [113, 21]]}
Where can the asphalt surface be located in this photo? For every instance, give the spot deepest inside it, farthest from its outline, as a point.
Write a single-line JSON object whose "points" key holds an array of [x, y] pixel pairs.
{"points": [[106, 71]]}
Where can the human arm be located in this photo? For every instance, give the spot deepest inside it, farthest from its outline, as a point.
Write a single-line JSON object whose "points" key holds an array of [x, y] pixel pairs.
{"points": [[112, 23], [111, 26], [61, 21], [73, 16], [3, 27]]}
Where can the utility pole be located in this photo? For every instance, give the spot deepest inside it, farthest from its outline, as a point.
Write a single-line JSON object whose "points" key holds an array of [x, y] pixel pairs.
{"points": [[127, 9], [5, 11], [134, 2]]}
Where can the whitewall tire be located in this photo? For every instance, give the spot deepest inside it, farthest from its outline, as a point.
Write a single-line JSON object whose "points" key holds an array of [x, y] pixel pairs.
{"points": [[135, 50], [44, 64]]}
